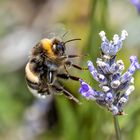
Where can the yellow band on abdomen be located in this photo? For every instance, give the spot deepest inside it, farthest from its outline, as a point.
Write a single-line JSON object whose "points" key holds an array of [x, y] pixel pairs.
{"points": [[30, 75]]}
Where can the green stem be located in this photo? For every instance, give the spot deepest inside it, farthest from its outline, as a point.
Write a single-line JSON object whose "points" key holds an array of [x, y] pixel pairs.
{"points": [[117, 128]]}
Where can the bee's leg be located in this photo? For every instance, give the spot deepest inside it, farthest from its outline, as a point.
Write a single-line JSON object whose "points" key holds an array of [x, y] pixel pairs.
{"points": [[69, 56], [69, 63], [73, 56], [67, 76], [47, 77], [78, 67], [44, 92], [44, 89], [66, 93], [66, 69]]}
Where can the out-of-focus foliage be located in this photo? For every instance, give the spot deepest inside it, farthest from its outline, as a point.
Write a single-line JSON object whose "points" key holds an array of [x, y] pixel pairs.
{"points": [[22, 24]]}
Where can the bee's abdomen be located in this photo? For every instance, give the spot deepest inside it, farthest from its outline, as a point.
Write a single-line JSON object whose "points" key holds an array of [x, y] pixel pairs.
{"points": [[30, 75], [32, 84]]}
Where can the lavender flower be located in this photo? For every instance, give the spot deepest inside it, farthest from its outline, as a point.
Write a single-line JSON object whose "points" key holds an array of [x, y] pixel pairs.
{"points": [[136, 3], [116, 86]]}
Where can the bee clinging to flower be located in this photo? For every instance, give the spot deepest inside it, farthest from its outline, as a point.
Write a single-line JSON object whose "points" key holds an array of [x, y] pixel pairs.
{"points": [[47, 63]]}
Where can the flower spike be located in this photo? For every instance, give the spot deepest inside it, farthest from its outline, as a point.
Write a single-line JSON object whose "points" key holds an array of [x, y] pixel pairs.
{"points": [[116, 87]]}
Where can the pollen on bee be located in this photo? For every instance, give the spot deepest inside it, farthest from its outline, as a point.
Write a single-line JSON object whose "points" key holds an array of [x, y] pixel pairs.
{"points": [[46, 44]]}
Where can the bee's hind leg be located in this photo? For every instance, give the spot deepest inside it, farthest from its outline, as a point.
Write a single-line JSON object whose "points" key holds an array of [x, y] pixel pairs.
{"points": [[59, 88], [67, 76], [44, 89]]}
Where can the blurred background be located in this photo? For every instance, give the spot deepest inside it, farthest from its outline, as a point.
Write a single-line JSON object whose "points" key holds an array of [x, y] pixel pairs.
{"points": [[22, 24]]}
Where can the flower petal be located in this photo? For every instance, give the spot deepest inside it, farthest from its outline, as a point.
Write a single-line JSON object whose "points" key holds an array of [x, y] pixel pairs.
{"points": [[87, 91], [135, 62], [97, 76], [109, 97], [114, 109], [132, 68]]}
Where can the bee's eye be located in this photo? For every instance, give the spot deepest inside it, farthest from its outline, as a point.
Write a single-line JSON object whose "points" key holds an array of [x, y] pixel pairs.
{"points": [[58, 48]]}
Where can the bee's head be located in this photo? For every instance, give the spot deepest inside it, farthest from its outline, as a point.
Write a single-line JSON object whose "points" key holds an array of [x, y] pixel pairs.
{"points": [[55, 47], [58, 47]]}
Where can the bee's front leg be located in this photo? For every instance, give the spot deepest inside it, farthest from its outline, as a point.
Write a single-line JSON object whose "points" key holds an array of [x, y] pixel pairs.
{"points": [[69, 63], [68, 56], [67, 76]]}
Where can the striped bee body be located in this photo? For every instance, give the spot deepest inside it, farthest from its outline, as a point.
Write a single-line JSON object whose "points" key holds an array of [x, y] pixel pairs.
{"points": [[46, 65]]}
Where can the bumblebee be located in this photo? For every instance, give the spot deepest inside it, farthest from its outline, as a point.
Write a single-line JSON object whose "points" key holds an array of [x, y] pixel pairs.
{"points": [[47, 63]]}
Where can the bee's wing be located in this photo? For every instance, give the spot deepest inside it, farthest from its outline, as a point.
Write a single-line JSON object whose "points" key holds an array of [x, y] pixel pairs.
{"points": [[56, 31]]}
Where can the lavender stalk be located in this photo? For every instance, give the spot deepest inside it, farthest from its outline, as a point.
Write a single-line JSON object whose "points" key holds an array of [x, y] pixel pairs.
{"points": [[117, 128]]}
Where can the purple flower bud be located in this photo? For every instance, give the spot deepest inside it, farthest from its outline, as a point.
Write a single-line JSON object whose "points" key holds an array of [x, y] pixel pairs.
{"points": [[92, 70], [124, 35], [115, 76], [136, 3], [105, 47], [123, 86], [106, 68], [98, 77], [114, 110], [103, 66], [125, 77], [118, 42], [112, 47], [114, 68], [122, 101], [133, 67], [109, 97], [104, 88], [115, 84], [118, 66], [87, 91], [129, 90], [103, 37], [134, 62], [101, 78]]}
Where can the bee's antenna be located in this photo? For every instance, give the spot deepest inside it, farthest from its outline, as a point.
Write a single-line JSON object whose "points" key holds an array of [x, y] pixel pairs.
{"points": [[65, 34], [72, 40]]}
